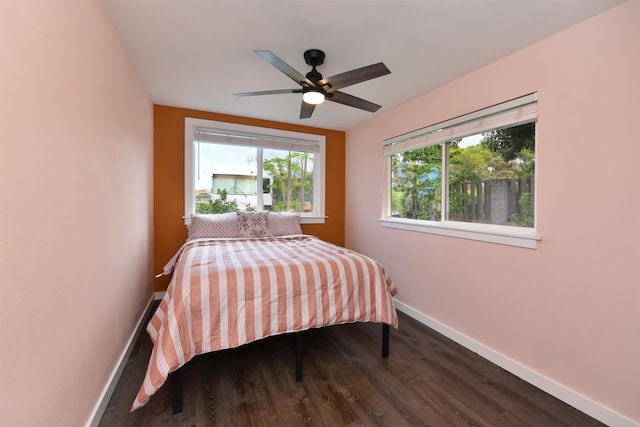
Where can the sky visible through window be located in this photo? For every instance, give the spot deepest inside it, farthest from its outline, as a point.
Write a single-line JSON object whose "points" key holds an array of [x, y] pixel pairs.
{"points": [[469, 141]]}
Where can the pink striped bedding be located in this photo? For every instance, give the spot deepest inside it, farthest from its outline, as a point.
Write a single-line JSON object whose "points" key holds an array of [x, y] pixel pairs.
{"points": [[228, 292]]}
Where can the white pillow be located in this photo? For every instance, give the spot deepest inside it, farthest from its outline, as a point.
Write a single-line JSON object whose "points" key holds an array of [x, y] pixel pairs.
{"points": [[284, 223], [214, 226], [254, 224]]}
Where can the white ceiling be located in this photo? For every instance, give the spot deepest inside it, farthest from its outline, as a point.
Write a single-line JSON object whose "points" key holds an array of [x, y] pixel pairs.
{"points": [[197, 53]]}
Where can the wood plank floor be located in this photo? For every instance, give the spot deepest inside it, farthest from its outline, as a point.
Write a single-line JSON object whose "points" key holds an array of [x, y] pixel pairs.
{"points": [[428, 380]]}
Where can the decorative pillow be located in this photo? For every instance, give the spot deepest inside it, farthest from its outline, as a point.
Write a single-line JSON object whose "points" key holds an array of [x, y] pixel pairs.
{"points": [[214, 226], [254, 224], [284, 223]]}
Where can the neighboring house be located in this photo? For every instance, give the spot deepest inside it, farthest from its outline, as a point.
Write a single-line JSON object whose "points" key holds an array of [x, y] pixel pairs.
{"points": [[240, 185]]}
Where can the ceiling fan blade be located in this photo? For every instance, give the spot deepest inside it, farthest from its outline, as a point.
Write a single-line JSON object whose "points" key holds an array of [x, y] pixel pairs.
{"points": [[353, 101], [283, 67], [306, 110], [355, 76], [269, 92]]}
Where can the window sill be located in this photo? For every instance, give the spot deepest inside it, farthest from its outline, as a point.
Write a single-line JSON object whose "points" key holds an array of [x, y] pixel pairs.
{"points": [[312, 219], [303, 219], [523, 238]]}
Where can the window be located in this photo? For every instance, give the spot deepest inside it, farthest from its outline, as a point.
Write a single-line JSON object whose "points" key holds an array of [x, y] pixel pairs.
{"points": [[472, 176], [232, 167]]}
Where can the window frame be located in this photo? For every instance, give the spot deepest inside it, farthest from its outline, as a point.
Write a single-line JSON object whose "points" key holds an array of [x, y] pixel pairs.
{"points": [[269, 134], [525, 237]]}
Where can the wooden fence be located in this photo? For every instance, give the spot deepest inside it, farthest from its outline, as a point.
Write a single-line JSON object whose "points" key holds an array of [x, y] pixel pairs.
{"points": [[493, 201]]}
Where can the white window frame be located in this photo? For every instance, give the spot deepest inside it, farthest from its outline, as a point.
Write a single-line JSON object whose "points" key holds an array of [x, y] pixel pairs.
{"points": [[276, 135], [511, 113]]}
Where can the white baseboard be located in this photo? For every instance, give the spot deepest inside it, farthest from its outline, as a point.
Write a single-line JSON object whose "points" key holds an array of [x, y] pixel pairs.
{"points": [[568, 396], [103, 401]]}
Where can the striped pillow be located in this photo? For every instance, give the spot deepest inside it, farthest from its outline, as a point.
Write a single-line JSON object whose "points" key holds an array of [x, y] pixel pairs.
{"points": [[214, 226], [284, 223]]}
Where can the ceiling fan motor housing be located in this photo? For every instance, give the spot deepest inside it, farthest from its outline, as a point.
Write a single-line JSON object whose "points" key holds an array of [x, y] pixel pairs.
{"points": [[314, 57]]}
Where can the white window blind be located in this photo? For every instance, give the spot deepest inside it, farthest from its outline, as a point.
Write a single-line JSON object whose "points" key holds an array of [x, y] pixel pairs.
{"points": [[511, 113], [252, 140]]}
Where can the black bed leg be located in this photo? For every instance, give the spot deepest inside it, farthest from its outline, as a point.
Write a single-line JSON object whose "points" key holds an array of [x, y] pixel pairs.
{"points": [[176, 391], [385, 340], [299, 356]]}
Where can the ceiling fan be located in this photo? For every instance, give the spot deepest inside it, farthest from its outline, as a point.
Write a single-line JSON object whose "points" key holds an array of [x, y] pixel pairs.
{"points": [[316, 89]]}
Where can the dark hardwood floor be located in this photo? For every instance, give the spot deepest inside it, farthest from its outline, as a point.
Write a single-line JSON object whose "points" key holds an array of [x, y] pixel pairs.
{"points": [[428, 380]]}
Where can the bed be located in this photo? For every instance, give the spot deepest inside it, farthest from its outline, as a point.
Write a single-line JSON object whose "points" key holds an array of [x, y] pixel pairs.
{"points": [[245, 276]]}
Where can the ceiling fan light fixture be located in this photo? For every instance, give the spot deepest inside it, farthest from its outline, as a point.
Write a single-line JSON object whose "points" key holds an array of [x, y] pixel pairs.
{"points": [[313, 97]]}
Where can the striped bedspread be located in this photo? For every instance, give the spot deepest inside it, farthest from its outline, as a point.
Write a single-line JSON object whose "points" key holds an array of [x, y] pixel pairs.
{"points": [[228, 292]]}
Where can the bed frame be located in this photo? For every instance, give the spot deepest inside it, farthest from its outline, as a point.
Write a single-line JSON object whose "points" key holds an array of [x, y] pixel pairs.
{"points": [[176, 377]]}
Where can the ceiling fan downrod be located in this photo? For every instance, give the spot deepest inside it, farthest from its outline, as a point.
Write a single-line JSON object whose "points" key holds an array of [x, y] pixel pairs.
{"points": [[314, 57]]}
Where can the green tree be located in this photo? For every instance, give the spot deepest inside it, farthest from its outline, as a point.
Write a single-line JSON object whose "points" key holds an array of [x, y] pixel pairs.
{"points": [[512, 141], [292, 181], [417, 176], [466, 166], [219, 205]]}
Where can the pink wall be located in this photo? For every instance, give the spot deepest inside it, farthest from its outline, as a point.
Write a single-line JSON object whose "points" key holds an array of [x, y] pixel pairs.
{"points": [[76, 185], [569, 310]]}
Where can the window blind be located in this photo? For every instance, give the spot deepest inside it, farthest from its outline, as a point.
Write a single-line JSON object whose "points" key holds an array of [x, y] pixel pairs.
{"points": [[511, 113], [254, 140]]}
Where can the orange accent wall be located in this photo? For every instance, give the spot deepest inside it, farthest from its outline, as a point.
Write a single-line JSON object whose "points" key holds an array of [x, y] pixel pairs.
{"points": [[168, 194]]}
